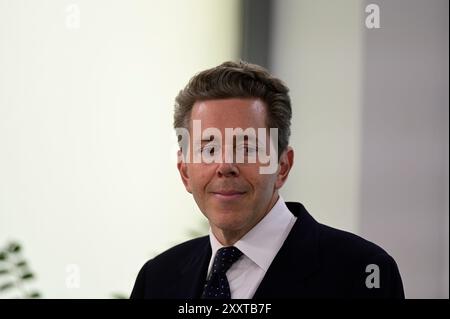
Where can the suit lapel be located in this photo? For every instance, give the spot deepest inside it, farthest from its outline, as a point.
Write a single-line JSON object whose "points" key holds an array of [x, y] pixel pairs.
{"points": [[296, 260], [193, 274], [294, 263]]}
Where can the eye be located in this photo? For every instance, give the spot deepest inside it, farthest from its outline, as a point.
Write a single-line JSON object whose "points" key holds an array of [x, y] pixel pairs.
{"points": [[251, 149], [208, 149]]}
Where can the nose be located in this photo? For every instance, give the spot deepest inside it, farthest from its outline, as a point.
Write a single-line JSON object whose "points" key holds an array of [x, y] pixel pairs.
{"points": [[227, 170], [227, 167]]}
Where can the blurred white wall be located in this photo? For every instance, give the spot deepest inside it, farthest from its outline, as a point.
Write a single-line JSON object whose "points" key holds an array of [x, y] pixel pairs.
{"points": [[404, 180], [86, 173], [370, 125], [317, 50]]}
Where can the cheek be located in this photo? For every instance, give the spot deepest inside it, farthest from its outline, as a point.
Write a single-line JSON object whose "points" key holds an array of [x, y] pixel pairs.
{"points": [[261, 183], [267, 183], [199, 177]]}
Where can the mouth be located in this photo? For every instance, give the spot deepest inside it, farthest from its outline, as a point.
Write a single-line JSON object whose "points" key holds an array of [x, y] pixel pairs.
{"points": [[228, 195]]}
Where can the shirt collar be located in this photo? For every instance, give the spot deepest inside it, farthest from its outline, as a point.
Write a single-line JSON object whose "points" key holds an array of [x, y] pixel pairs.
{"points": [[264, 240]]}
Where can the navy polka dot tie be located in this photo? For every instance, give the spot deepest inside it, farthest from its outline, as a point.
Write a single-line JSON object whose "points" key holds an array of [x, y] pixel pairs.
{"points": [[217, 286]]}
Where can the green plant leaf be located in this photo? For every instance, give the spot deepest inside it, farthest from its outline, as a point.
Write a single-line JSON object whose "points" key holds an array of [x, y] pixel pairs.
{"points": [[21, 263], [118, 295], [14, 247], [194, 233], [6, 286], [4, 271], [3, 255], [34, 294], [26, 276]]}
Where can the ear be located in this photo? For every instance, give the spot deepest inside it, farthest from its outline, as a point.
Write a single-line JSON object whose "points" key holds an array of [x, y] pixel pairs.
{"points": [[183, 169], [285, 164]]}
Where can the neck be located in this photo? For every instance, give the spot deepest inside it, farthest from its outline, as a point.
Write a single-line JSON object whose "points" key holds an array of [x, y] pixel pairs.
{"points": [[228, 237]]}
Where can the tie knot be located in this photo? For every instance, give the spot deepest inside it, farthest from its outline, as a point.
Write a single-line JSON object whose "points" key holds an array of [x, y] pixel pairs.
{"points": [[225, 257]]}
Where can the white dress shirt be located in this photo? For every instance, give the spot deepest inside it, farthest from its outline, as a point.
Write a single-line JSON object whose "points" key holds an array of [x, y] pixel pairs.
{"points": [[259, 247]]}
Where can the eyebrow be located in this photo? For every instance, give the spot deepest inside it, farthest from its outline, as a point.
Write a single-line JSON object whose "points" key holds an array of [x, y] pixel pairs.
{"points": [[211, 137]]}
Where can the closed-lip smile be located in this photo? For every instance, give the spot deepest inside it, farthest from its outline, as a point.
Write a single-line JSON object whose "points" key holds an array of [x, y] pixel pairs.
{"points": [[227, 194]]}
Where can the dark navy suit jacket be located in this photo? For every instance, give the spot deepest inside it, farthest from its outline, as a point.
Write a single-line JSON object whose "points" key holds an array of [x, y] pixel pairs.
{"points": [[315, 261]]}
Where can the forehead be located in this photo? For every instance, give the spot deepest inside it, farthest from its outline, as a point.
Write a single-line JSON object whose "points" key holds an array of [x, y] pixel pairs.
{"points": [[230, 113]]}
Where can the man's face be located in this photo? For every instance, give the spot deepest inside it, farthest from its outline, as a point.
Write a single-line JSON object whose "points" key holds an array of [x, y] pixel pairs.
{"points": [[233, 196]]}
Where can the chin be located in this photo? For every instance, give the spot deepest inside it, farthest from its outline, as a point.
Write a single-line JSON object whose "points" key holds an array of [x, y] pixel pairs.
{"points": [[229, 221]]}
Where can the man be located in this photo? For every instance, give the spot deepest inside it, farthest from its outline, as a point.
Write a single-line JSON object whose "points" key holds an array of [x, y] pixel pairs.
{"points": [[258, 246]]}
